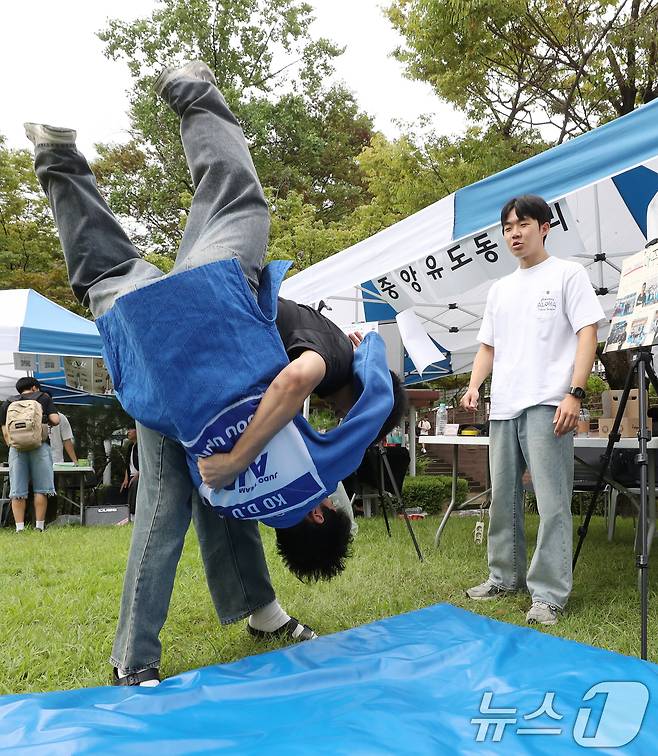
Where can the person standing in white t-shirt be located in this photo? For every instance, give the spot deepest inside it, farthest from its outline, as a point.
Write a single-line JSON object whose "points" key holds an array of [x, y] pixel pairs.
{"points": [[538, 338], [424, 427], [61, 438]]}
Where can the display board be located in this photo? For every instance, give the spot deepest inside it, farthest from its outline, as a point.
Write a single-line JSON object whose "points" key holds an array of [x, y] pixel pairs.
{"points": [[635, 316]]}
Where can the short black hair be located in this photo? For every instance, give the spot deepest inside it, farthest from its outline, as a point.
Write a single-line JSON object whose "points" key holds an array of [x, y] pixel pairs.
{"points": [[527, 206], [315, 551], [400, 407], [25, 383]]}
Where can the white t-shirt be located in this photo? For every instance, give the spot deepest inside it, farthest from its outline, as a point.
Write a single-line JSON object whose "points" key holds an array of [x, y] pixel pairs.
{"points": [[59, 434], [531, 320], [424, 426]]}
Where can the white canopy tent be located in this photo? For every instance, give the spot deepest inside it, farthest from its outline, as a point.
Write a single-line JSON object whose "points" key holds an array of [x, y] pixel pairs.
{"points": [[442, 260]]}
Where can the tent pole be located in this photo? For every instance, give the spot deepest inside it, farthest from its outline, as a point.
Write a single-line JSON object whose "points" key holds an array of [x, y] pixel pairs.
{"points": [[412, 441]]}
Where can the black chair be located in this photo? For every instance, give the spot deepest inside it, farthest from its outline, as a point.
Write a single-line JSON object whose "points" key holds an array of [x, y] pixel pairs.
{"points": [[625, 472]]}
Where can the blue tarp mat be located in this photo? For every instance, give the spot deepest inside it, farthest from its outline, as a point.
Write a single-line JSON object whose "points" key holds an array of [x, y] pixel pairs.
{"points": [[418, 683]]}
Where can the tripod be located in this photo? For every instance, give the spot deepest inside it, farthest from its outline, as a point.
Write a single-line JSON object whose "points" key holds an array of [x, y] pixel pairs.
{"points": [[643, 368], [384, 464], [375, 471]]}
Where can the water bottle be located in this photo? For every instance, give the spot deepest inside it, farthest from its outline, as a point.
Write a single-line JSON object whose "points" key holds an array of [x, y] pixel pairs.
{"points": [[583, 422], [441, 419]]}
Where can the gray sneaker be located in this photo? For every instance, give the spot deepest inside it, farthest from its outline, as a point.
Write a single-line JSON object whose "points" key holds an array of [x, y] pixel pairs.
{"points": [[541, 613], [195, 69], [42, 134], [486, 591]]}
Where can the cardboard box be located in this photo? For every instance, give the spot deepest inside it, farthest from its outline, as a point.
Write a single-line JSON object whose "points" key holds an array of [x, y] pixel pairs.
{"points": [[610, 403], [628, 428]]}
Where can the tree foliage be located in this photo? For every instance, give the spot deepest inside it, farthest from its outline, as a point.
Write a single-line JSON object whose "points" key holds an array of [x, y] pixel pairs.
{"points": [[304, 135], [519, 64]]}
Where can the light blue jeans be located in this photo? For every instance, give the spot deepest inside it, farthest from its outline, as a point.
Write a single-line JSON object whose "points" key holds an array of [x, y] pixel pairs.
{"points": [[232, 553], [35, 466], [229, 217], [528, 442]]}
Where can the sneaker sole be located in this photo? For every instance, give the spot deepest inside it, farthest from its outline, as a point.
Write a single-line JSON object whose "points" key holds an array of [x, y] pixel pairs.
{"points": [[41, 134], [172, 74], [541, 622], [502, 594]]}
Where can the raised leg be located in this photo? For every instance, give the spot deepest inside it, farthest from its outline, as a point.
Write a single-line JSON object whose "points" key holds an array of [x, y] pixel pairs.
{"points": [[102, 263], [229, 216]]}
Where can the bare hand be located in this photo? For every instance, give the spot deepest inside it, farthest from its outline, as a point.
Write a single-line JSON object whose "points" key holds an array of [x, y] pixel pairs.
{"points": [[124, 483], [470, 399], [217, 471], [356, 338], [566, 416]]}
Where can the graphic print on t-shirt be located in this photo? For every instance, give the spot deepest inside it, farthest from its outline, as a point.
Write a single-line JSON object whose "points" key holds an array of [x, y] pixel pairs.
{"points": [[547, 304], [282, 478]]}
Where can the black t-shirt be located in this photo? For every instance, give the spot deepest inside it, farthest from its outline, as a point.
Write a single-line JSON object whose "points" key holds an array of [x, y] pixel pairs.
{"points": [[45, 400], [301, 328]]}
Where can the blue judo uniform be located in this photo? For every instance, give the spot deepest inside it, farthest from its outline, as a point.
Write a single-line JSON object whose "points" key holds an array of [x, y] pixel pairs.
{"points": [[191, 355]]}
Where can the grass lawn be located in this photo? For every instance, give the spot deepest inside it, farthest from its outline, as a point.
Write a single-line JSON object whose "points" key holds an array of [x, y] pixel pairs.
{"points": [[59, 597]]}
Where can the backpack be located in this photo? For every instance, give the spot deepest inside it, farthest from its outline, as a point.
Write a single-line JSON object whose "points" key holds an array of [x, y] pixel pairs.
{"points": [[25, 428]]}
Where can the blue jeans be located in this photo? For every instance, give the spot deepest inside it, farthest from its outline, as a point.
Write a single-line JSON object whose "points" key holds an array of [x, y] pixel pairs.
{"points": [[529, 441], [231, 550], [35, 466], [228, 218]]}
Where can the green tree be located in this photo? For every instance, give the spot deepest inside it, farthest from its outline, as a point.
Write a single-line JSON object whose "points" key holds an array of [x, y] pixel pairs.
{"points": [[304, 136], [415, 170], [30, 254], [518, 64]]}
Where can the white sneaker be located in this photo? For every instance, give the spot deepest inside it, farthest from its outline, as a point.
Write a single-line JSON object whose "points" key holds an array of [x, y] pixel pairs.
{"points": [[542, 614], [486, 591], [195, 69], [42, 134]]}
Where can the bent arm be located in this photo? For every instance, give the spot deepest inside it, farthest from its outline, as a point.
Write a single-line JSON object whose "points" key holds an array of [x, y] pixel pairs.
{"points": [[482, 367], [567, 412], [280, 403], [585, 354], [70, 450]]}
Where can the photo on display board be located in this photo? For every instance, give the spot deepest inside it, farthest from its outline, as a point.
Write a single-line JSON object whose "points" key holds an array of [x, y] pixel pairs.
{"points": [[635, 316]]}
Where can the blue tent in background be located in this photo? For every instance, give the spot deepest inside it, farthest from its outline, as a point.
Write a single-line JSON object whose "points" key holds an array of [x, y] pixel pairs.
{"points": [[30, 324]]}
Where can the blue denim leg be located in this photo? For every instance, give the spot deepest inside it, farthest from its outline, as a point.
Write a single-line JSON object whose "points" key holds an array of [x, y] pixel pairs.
{"points": [[36, 467], [550, 461], [163, 514], [19, 474], [234, 563], [101, 261], [229, 216], [506, 547], [231, 550]]}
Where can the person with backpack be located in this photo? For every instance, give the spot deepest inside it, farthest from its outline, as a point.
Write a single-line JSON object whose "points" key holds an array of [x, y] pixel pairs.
{"points": [[25, 419]]}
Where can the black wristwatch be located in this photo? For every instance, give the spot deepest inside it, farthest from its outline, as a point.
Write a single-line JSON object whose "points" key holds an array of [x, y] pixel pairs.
{"points": [[578, 392]]}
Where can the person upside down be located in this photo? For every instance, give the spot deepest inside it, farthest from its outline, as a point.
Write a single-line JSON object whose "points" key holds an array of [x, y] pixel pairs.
{"points": [[209, 355]]}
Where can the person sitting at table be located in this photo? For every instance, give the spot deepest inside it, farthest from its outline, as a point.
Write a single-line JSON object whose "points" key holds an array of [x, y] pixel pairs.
{"points": [[30, 466]]}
